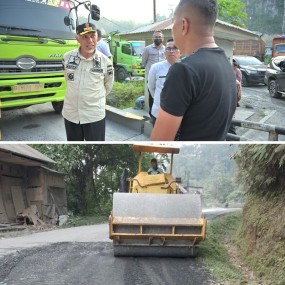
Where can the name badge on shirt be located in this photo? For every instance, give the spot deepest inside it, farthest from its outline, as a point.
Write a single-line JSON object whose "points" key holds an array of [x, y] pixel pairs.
{"points": [[70, 66], [73, 62], [97, 70]]}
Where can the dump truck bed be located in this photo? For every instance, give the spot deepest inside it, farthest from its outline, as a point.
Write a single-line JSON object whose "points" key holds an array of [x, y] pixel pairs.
{"points": [[156, 224]]}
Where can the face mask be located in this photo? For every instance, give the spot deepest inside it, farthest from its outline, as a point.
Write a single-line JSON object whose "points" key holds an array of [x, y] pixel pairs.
{"points": [[157, 42]]}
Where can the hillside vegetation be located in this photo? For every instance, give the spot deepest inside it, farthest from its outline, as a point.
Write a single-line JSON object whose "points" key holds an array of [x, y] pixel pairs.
{"points": [[261, 238]]}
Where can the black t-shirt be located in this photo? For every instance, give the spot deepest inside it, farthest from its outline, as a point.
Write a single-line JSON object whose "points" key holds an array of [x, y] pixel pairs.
{"points": [[201, 88]]}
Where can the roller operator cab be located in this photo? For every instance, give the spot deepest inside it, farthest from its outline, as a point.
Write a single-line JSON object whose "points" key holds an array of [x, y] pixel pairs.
{"points": [[34, 36], [156, 217]]}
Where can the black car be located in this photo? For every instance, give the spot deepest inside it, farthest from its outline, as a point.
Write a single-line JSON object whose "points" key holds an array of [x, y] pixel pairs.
{"points": [[275, 76], [252, 69]]}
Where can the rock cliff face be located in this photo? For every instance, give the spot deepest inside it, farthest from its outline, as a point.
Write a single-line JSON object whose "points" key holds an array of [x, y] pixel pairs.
{"points": [[265, 16]]}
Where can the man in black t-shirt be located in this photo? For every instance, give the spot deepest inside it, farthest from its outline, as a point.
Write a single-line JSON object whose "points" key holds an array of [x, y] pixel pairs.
{"points": [[199, 95]]}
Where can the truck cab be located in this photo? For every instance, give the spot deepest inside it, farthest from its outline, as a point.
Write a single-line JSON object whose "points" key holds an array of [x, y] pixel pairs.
{"points": [[33, 40], [127, 57], [278, 46]]}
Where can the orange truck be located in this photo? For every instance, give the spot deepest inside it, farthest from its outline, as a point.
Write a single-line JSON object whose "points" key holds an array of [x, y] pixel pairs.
{"points": [[278, 46], [254, 48]]}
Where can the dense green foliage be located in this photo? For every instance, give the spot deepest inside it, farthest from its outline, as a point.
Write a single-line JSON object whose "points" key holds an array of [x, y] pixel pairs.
{"points": [[233, 12], [262, 167], [123, 95]]}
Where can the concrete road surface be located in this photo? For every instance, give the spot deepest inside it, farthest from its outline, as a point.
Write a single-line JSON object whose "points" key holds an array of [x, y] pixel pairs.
{"points": [[41, 123], [84, 255]]}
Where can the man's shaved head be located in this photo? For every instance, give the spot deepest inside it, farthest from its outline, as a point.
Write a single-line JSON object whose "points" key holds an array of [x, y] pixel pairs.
{"points": [[204, 10]]}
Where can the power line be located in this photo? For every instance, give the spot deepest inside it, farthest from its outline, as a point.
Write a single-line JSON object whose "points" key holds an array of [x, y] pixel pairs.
{"points": [[114, 23]]}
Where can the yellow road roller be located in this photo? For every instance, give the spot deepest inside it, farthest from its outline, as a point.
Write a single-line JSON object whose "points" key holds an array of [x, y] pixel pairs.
{"points": [[156, 217]]}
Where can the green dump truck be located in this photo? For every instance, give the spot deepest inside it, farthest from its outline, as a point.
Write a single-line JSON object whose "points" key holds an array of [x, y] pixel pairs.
{"points": [[33, 39], [127, 57]]}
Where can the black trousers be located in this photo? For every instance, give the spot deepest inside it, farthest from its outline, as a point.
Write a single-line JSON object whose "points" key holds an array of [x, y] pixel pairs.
{"points": [[150, 103], [89, 132]]}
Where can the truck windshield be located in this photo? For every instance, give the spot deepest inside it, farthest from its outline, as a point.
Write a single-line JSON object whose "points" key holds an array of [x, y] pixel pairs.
{"points": [[137, 49], [280, 48], [38, 18]]}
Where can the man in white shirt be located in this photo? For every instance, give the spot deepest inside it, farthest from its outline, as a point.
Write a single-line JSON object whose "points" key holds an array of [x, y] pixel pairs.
{"points": [[157, 75], [102, 46], [89, 78]]}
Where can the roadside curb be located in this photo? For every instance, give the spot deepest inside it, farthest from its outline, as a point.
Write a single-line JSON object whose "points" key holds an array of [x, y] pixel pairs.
{"points": [[127, 119]]}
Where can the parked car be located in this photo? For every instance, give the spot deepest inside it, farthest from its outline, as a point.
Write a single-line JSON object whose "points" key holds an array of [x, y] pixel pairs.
{"points": [[252, 69], [275, 76]]}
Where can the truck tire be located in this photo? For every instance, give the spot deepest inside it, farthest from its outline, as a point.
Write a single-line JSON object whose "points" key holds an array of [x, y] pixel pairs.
{"points": [[121, 74], [244, 82], [57, 106], [273, 89]]}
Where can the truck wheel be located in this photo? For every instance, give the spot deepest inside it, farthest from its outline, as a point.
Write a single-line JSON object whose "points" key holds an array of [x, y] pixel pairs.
{"points": [[57, 106], [121, 74], [244, 82], [273, 89]]}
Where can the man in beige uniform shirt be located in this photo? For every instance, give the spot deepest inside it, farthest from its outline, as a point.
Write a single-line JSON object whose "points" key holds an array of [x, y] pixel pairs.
{"points": [[89, 76]]}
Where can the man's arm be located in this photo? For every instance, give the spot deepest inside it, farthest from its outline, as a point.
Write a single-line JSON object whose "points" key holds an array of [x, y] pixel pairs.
{"points": [[109, 77], [151, 81], [144, 57], [106, 50], [166, 127]]}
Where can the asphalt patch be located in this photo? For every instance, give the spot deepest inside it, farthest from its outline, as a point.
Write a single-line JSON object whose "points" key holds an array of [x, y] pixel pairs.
{"points": [[94, 263]]}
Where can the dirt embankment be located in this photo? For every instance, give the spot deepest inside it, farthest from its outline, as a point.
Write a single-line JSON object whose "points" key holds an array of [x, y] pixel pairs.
{"points": [[262, 236]]}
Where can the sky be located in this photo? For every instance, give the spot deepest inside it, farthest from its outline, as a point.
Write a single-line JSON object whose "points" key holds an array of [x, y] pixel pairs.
{"points": [[136, 10]]}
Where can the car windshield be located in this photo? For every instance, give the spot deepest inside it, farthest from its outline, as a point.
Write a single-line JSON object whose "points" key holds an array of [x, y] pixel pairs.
{"points": [[280, 49], [138, 48], [40, 18], [248, 61]]}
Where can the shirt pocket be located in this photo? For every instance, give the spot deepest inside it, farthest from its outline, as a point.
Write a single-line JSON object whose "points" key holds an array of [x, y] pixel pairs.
{"points": [[94, 80], [96, 76]]}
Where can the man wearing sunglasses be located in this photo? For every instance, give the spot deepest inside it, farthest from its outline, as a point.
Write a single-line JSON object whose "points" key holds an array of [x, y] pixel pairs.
{"points": [[157, 75]]}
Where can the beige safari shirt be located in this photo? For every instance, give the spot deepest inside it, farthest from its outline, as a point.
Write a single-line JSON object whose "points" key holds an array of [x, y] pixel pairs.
{"points": [[89, 81]]}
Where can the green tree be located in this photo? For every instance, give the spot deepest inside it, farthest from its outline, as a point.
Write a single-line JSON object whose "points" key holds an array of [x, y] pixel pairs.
{"points": [[233, 12], [262, 168], [92, 173]]}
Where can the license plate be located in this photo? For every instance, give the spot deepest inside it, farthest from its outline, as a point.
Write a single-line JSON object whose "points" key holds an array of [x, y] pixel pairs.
{"points": [[31, 87]]}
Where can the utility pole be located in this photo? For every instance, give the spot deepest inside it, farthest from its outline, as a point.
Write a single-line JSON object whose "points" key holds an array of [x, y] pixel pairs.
{"points": [[154, 11]]}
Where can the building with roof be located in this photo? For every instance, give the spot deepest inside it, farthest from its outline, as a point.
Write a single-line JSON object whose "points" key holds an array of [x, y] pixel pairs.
{"points": [[26, 182], [225, 34]]}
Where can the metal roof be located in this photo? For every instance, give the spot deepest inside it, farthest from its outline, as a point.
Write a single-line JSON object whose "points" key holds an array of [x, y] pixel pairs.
{"points": [[222, 30], [23, 154]]}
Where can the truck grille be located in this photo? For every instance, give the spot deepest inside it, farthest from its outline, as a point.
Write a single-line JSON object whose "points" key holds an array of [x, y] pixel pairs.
{"points": [[9, 66]]}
